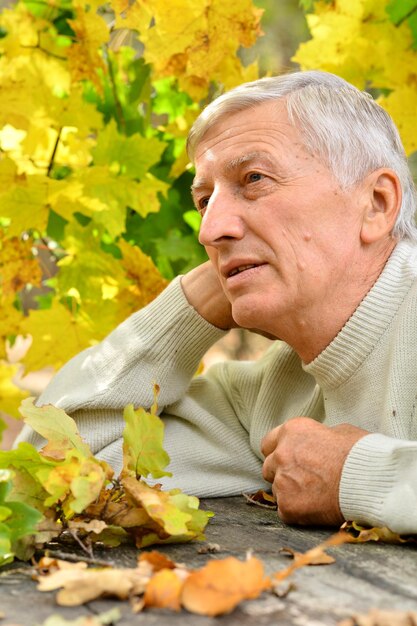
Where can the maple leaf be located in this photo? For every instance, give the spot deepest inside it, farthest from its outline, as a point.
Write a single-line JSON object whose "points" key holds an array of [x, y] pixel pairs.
{"points": [[60, 334], [140, 268], [218, 587], [134, 155], [23, 199], [194, 40], [84, 56], [143, 451], [18, 266], [56, 427]]}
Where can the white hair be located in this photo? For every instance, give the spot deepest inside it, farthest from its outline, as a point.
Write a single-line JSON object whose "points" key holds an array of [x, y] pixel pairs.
{"points": [[341, 125]]}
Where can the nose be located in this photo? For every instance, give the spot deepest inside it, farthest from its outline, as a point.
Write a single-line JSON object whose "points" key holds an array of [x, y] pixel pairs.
{"points": [[222, 219]]}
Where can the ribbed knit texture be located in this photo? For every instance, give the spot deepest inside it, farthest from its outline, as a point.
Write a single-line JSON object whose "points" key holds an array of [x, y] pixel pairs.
{"points": [[367, 376]]}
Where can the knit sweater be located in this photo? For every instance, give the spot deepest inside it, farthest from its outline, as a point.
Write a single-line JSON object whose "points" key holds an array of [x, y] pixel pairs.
{"points": [[214, 423]]}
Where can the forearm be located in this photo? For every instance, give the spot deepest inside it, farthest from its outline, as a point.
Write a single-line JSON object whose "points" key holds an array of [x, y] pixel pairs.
{"points": [[379, 483], [162, 343]]}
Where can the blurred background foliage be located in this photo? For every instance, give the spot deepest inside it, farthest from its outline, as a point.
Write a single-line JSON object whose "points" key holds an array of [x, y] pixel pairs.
{"points": [[95, 105]]}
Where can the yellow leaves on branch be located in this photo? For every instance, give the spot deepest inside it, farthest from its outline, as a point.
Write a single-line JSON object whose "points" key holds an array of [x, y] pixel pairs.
{"points": [[18, 265], [84, 58], [194, 40], [356, 40]]}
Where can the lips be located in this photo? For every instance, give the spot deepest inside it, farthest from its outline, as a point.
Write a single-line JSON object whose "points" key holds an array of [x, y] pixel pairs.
{"points": [[240, 268]]}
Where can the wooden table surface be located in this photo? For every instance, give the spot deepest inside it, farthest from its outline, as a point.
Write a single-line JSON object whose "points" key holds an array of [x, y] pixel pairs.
{"points": [[365, 576]]}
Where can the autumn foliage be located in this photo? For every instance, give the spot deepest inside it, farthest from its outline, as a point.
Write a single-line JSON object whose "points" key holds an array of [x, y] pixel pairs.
{"points": [[95, 213]]}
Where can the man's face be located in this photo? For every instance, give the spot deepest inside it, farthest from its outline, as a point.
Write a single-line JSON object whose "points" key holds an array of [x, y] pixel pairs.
{"points": [[279, 230]]}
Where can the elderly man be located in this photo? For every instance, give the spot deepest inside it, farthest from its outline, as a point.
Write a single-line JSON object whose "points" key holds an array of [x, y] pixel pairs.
{"points": [[307, 210]]}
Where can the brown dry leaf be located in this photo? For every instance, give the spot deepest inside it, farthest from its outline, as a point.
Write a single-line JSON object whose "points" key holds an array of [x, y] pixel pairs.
{"points": [[164, 591], [157, 560], [48, 565], [261, 498], [361, 534], [376, 617], [219, 586], [320, 559], [93, 526], [80, 586], [301, 560]]}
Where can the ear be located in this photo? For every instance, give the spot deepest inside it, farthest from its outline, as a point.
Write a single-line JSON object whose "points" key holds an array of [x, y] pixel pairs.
{"points": [[382, 206]]}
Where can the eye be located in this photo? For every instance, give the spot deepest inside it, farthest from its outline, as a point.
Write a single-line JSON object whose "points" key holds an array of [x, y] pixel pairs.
{"points": [[202, 204], [254, 177]]}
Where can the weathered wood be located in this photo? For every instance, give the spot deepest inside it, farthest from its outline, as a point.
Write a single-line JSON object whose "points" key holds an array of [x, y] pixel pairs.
{"points": [[364, 576]]}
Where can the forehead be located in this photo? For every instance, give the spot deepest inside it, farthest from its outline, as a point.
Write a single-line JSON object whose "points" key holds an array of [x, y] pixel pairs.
{"points": [[264, 128]]}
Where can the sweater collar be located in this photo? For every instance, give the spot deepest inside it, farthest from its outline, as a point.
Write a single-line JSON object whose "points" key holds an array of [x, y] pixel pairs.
{"points": [[358, 337]]}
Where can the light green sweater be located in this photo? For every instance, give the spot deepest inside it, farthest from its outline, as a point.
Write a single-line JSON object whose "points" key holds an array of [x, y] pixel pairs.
{"points": [[367, 376]]}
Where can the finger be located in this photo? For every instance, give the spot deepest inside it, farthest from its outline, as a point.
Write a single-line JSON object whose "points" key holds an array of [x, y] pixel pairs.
{"points": [[269, 468], [269, 442]]}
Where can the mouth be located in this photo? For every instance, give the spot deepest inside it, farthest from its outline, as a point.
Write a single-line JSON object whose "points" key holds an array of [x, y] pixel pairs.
{"points": [[241, 268]]}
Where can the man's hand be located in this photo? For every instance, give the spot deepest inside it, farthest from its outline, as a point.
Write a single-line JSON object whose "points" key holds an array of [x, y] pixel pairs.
{"points": [[204, 292], [304, 462]]}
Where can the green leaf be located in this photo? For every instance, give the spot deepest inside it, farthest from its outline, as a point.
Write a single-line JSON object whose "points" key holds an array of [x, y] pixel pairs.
{"points": [[56, 426], [143, 450], [400, 10], [18, 520], [132, 156]]}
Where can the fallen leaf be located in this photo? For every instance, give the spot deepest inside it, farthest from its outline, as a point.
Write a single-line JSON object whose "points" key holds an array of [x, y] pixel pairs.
{"points": [[376, 617], [47, 565], [157, 560], [261, 498], [218, 587], [320, 559], [93, 526], [210, 548], [109, 617], [80, 587], [164, 590], [306, 558], [361, 534]]}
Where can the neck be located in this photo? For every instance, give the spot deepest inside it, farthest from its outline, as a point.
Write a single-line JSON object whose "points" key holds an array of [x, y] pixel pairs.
{"points": [[312, 329]]}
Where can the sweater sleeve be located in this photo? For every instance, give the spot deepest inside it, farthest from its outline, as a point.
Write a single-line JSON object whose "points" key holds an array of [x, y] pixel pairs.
{"points": [[379, 483], [208, 444], [162, 343]]}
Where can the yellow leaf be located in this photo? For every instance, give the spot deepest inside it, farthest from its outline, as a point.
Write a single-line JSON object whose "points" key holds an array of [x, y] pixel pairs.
{"points": [[18, 265], [10, 395], [23, 199], [401, 104], [91, 33], [141, 270], [193, 39], [58, 334]]}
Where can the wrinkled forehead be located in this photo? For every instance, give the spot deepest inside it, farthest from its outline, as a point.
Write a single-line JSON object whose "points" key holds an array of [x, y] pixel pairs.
{"points": [[266, 123], [208, 123]]}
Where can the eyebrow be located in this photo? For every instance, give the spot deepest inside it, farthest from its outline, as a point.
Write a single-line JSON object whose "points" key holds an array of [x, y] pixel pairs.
{"points": [[232, 165]]}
